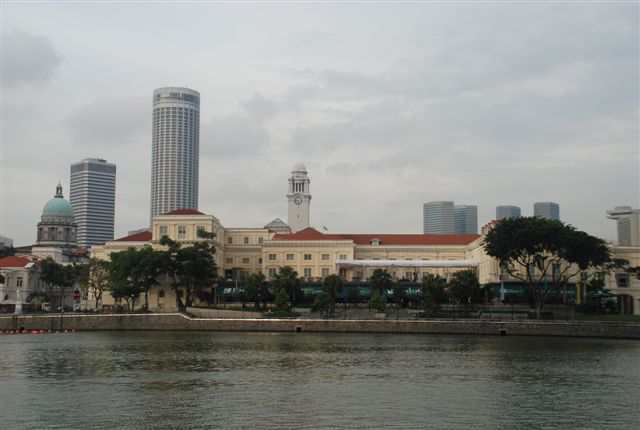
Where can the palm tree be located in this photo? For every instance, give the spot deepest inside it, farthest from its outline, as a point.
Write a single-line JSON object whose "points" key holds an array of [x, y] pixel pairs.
{"points": [[287, 280]]}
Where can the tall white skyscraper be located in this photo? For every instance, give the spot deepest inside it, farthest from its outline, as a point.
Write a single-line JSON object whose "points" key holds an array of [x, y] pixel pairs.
{"points": [[547, 210], [175, 150], [298, 198], [92, 195], [628, 225], [437, 218], [465, 219], [507, 211]]}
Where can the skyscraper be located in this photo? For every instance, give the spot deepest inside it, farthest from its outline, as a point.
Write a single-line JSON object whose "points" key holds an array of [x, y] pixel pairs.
{"points": [[547, 210], [437, 218], [465, 219], [503, 212], [175, 150], [93, 198], [628, 225]]}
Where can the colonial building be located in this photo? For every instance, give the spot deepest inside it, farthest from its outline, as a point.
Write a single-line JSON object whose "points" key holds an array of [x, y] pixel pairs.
{"points": [[21, 279]]}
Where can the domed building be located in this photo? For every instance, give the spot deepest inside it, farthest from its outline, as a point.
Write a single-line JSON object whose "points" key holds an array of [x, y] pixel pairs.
{"points": [[57, 226]]}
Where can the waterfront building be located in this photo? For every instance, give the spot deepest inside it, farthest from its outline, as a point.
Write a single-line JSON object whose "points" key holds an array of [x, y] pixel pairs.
{"points": [[92, 195], [21, 278], [438, 218], [507, 211], [465, 219], [175, 150], [298, 198], [57, 226], [627, 223], [547, 210]]}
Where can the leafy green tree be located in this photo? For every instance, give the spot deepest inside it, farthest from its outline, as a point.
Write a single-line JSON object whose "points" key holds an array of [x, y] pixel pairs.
{"points": [[190, 268], [354, 295], [399, 294], [377, 302], [432, 292], [323, 302], [544, 254], [380, 279], [133, 272], [282, 300], [98, 278], [465, 287], [257, 290], [287, 279], [7, 251], [58, 276], [332, 285]]}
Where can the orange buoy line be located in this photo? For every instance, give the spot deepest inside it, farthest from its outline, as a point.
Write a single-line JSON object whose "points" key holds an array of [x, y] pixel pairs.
{"points": [[25, 331]]}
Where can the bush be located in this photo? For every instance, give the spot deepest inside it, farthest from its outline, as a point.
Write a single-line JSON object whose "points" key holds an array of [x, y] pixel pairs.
{"points": [[377, 302]]}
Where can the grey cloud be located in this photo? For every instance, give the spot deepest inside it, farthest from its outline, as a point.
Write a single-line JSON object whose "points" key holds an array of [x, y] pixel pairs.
{"points": [[259, 106], [233, 136], [110, 121], [27, 59]]}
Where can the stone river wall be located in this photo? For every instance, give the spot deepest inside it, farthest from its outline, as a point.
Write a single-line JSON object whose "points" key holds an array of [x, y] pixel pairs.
{"points": [[181, 322]]}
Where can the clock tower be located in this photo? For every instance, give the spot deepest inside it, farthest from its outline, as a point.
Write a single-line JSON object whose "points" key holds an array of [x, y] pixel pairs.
{"points": [[298, 198]]}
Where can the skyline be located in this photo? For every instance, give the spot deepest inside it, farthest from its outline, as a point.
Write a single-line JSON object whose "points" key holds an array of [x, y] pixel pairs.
{"points": [[388, 106]]}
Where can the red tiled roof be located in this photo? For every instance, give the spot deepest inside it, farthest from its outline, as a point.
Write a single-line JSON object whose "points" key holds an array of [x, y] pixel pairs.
{"points": [[143, 236], [385, 239], [184, 212], [14, 261]]}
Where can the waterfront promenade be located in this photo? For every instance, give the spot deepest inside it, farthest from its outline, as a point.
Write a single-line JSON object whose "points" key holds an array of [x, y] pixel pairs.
{"points": [[180, 322]]}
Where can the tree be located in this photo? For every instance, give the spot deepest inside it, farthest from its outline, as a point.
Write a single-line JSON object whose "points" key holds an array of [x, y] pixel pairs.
{"points": [[432, 292], [191, 268], [377, 302], [332, 285], [287, 279], [58, 276], [133, 272], [7, 251], [257, 289], [323, 302], [399, 294], [282, 300], [380, 279], [465, 287], [544, 254], [354, 295], [98, 278]]}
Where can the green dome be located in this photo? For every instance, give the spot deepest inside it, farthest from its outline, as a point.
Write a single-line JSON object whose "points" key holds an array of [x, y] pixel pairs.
{"points": [[58, 206]]}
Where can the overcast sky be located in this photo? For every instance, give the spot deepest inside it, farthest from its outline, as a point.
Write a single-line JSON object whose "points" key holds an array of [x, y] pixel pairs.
{"points": [[388, 105]]}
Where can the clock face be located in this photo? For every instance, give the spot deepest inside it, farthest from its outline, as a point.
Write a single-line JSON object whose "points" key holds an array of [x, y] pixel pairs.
{"points": [[297, 200]]}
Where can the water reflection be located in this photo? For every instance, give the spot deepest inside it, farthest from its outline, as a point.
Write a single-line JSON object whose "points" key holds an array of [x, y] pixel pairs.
{"points": [[287, 380]]}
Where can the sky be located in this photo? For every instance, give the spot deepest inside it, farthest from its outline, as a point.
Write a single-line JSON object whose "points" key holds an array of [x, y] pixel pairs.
{"points": [[389, 106]]}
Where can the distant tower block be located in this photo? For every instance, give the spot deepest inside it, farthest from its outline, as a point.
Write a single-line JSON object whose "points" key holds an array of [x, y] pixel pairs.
{"points": [[298, 198], [175, 150], [546, 210], [507, 211]]}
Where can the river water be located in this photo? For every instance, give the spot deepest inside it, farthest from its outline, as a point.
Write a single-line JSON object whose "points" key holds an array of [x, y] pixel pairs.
{"points": [[146, 380]]}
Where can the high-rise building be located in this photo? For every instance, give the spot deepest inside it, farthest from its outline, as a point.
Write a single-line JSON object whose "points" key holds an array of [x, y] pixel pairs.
{"points": [[465, 219], [628, 223], [503, 212], [547, 210], [437, 218], [93, 196], [299, 198], [175, 150]]}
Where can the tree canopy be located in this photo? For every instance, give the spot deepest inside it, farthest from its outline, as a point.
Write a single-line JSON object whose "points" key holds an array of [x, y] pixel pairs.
{"points": [[287, 280]]}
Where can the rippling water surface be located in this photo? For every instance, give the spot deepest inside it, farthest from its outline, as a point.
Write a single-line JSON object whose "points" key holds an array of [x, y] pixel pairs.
{"points": [[149, 380]]}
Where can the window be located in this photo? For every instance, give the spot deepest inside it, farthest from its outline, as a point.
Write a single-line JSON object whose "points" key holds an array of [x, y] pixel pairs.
{"points": [[182, 232], [289, 257], [260, 239], [161, 293], [272, 257], [259, 260], [272, 272], [230, 240], [343, 273], [622, 280], [408, 275], [164, 230], [343, 256], [325, 257], [246, 260], [307, 257], [19, 281], [307, 272], [325, 272], [246, 240], [228, 260]]}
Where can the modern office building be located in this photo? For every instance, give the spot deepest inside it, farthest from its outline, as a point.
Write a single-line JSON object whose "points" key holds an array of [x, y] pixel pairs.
{"points": [[175, 150], [628, 225], [503, 212], [437, 217], [465, 219], [298, 198], [93, 197], [547, 210]]}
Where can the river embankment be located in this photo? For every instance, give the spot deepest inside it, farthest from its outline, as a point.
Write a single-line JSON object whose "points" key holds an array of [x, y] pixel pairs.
{"points": [[181, 322]]}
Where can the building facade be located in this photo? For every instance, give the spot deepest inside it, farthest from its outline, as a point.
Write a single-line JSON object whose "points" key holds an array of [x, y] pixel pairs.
{"points": [[438, 218], [298, 198], [507, 211], [92, 195], [175, 150], [548, 210], [465, 219]]}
